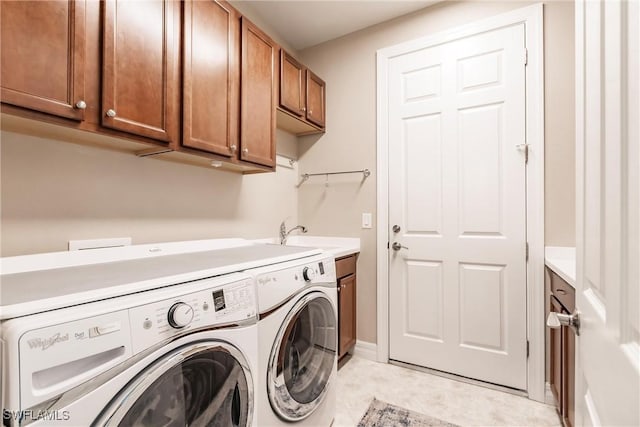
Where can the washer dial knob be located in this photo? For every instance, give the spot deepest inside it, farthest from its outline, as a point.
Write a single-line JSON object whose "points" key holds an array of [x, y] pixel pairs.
{"points": [[180, 315], [308, 274]]}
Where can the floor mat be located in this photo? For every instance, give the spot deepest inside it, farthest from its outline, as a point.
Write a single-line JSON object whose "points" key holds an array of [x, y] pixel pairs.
{"points": [[382, 414]]}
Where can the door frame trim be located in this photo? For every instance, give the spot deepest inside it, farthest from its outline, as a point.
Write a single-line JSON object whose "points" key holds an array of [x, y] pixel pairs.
{"points": [[532, 18]]}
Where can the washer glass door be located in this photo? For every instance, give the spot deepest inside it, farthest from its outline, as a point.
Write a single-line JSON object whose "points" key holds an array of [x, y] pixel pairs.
{"points": [[207, 383], [303, 358]]}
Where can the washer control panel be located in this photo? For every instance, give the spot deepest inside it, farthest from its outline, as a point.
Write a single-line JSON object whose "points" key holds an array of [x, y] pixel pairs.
{"points": [[227, 304], [276, 286]]}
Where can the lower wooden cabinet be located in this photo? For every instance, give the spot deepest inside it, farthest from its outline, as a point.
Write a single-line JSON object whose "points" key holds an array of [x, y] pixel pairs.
{"points": [[347, 291], [562, 350]]}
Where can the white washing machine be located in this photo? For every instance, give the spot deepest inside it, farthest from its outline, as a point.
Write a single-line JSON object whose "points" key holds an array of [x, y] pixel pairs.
{"points": [[297, 351], [179, 355]]}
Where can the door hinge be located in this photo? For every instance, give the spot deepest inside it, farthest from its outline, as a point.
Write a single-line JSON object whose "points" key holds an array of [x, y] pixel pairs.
{"points": [[527, 252], [526, 56], [527, 349], [387, 245]]}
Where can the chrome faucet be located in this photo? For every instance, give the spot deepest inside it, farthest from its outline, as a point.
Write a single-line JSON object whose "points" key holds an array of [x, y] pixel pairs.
{"points": [[284, 234]]}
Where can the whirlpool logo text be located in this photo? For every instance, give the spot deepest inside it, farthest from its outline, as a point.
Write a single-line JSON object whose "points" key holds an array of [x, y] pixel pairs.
{"points": [[45, 343]]}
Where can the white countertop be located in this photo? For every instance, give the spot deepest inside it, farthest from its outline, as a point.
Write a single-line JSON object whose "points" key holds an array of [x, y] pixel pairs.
{"points": [[336, 246], [35, 283], [562, 260]]}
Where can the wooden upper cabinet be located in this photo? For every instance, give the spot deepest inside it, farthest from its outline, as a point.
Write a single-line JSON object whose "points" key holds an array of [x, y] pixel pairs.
{"points": [[43, 56], [258, 104], [292, 85], [140, 69], [315, 99], [211, 77]]}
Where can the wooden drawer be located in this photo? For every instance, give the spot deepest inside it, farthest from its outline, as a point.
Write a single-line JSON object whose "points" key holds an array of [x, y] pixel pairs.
{"points": [[345, 266], [563, 291]]}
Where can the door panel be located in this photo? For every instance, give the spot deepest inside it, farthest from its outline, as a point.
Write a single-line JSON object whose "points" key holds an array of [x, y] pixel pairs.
{"points": [[43, 56], [347, 310], [292, 84], [258, 105], [315, 99], [457, 191], [211, 79], [140, 87], [607, 376], [423, 298], [555, 356], [424, 183]]}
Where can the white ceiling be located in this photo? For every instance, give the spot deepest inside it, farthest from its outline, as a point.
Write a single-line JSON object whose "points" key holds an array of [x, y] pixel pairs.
{"points": [[305, 23]]}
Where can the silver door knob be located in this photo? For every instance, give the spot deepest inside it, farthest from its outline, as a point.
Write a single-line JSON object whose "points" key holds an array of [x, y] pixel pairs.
{"points": [[233, 148], [81, 105], [111, 113], [396, 228], [557, 320], [397, 246]]}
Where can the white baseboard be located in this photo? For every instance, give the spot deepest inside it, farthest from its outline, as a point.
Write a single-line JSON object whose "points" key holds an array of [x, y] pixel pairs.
{"points": [[366, 350], [548, 395]]}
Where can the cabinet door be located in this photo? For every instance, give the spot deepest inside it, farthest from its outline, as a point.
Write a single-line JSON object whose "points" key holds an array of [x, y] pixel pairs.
{"points": [[257, 105], [140, 68], [555, 360], [292, 84], [347, 313], [211, 77], [43, 56], [568, 375], [315, 99]]}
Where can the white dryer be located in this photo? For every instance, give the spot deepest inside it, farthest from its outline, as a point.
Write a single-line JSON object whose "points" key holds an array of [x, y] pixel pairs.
{"points": [[175, 356], [297, 351]]}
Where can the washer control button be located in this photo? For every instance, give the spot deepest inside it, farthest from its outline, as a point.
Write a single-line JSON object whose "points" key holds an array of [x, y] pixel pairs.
{"points": [[147, 324], [180, 315], [308, 274]]}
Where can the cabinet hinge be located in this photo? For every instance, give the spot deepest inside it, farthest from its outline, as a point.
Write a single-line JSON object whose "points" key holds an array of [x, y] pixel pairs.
{"points": [[527, 251], [527, 349], [526, 56], [387, 245]]}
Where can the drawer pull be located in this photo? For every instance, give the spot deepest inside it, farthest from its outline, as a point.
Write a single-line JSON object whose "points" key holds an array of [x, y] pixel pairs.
{"points": [[561, 291]]}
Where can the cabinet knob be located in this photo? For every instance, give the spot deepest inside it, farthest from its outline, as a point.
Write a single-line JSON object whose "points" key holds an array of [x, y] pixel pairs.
{"points": [[234, 148], [310, 112], [245, 150], [304, 109], [111, 113], [81, 105]]}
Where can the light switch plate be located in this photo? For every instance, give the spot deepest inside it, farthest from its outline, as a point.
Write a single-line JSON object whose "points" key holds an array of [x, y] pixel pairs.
{"points": [[366, 220]]}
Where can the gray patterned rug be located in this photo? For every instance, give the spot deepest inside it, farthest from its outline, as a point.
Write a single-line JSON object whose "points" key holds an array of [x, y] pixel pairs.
{"points": [[382, 414]]}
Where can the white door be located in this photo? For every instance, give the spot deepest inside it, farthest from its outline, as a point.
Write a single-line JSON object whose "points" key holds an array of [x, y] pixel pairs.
{"points": [[608, 190], [457, 292]]}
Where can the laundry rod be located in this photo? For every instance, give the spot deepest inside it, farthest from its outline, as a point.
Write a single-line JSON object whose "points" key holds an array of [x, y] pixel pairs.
{"points": [[365, 174]]}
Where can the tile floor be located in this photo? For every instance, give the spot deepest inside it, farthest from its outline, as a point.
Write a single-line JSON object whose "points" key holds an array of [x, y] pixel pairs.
{"points": [[360, 380]]}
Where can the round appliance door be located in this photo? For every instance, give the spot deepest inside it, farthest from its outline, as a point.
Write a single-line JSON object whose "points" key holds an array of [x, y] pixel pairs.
{"points": [[206, 383], [303, 357]]}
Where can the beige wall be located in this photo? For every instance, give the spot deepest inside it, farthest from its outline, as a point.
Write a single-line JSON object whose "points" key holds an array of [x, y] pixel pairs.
{"points": [[349, 68], [53, 192]]}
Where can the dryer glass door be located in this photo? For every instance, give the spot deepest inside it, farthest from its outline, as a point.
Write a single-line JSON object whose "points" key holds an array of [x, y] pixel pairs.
{"points": [[303, 358], [203, 384]]}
